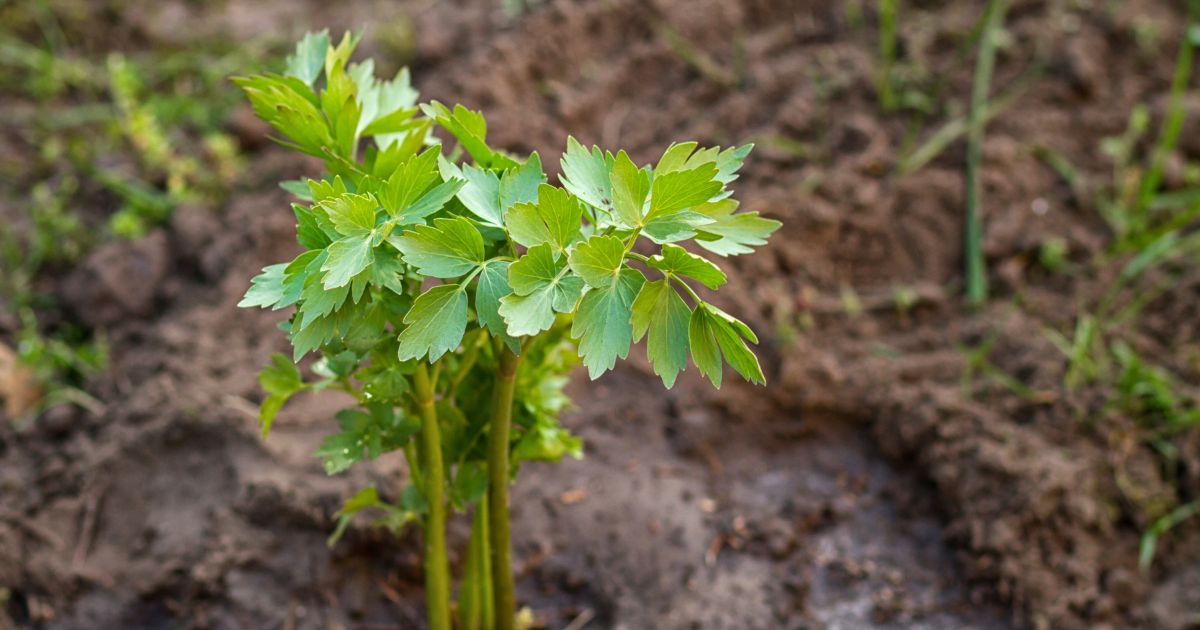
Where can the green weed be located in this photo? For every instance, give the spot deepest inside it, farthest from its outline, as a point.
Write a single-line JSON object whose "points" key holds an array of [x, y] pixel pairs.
{"points": [[1149, 544], [887, 54], [1154, 242]]}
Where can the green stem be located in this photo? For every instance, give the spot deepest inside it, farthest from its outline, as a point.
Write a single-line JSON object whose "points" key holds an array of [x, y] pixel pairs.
{"points": [[690, 291], [437, 572], [632, 240], [504, 593], [976, 270], [670, 277], [475, 592]]}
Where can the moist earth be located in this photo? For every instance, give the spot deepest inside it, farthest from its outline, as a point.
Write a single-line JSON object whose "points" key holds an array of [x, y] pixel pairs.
{"points": [[866, 486]]}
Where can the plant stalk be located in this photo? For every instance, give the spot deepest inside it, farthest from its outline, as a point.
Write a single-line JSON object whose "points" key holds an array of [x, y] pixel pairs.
{"points": [[504, 592], [475, 591], [976, 269], [437, 571]]}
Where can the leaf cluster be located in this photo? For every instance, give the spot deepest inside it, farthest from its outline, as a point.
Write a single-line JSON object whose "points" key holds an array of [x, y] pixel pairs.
{"points": [[414, 257]]}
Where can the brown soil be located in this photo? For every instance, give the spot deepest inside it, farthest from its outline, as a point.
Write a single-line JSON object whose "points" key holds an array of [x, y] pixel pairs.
{"points": [[863, 487]]}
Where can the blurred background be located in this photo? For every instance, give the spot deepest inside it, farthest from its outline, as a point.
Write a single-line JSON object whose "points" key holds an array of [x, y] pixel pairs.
{"points": [[915, 461]]}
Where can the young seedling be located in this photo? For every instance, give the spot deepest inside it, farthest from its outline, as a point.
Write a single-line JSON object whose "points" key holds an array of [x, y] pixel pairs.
{"points": [[452, 300], [976, 266], [887, 55]]}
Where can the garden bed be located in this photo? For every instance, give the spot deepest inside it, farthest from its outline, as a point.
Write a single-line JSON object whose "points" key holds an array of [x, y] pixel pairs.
{"points": [[868, 484]]}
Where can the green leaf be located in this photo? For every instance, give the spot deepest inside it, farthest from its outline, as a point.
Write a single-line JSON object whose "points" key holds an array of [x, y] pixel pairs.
{"points": [[413, 501], [659, 311], [706, 352], [339, 101], [541, 286], [602, 322], [683, 156], [391, 151], [630, 186], [436, 323], [713, 333], [535, 270], [407, 195], [387, 383], [729, 161], [298, 188], [734, 324], [675, 158], [366, 498], [598, 260], [520, 184], [388, 271], [469, 484], [527, 315], [489, 196], [321, 189], [337, 57], [340, 451], [492, 287], [347, 257], [481, 195], [352, 214], [409, 181], [447, 249], [317, 301], [394, 122], [554, 219], [366, 328], [308, 229], [266, 289], [370, 433], [679, 190], [363, 499], [336, 365], [586, 174], [430, 202], [280, 380], [674, 227], [295, 277], [471, 131], [309, 59], [394, 518], [387, 106], [290, 106], [731, 234], [677, 260], [547, 441], [306, 339]]}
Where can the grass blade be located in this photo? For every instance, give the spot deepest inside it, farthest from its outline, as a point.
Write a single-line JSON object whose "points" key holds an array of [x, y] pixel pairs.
{"points": [[976, 270]]}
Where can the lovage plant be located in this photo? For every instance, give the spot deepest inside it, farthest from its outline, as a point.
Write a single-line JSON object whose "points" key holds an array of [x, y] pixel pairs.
{"points": [[451, 294]]}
